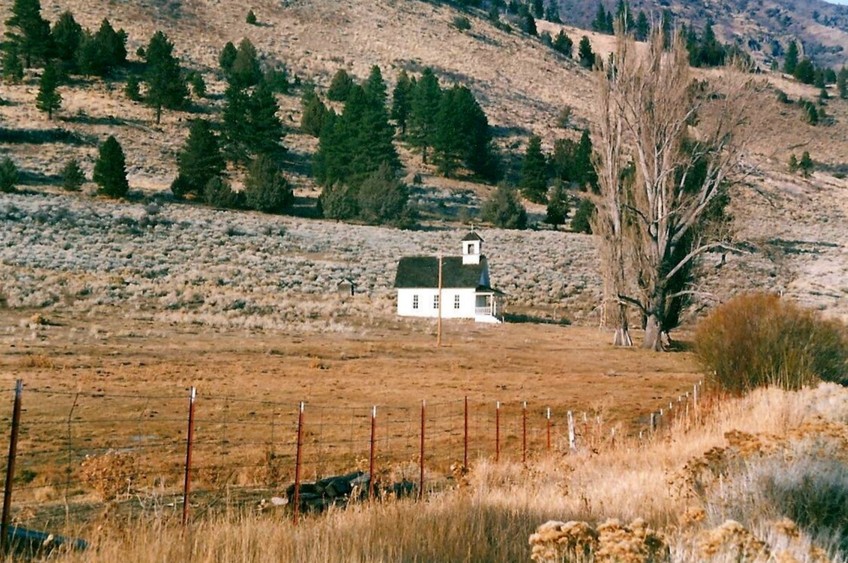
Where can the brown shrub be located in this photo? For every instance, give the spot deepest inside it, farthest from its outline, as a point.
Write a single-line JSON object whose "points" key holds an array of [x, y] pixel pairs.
{"points": [[110, 474], [760, 339]]}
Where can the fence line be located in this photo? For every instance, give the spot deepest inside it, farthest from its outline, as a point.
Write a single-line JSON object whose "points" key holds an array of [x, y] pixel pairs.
{"points": [[73, 459]]}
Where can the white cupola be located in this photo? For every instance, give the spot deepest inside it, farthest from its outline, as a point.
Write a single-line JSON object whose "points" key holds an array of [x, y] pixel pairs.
{"points": [[472, 246]]}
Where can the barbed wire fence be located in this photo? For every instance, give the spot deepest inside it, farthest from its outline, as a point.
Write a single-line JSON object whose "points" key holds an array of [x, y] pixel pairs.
{"points": [[77, 457]]}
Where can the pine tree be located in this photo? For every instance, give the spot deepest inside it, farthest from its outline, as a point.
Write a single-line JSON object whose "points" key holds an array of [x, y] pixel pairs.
{"points": [[250, 19], [198, 84], [382, 198], [166, 87], [805, 165], [557, 205], [199, 161], [8, 175], [599, 24], [26, 29], [581, 221], [314, 113], [425, 108], [49, 99], [584, 170], [643, 27], [504, 210], [72, 176], [526, 21], [265, 188], [793, 163], [790, 59], [67, 36], [805, 72], [340, 86], [842, 82], [236, 124], [102, 52], [13, 69], [585, 54], [227, 57], [245, 71], [563, 44], [375, 86], [462, 134], [131, 89], [401, 100], [110, 171], [552, 12], [665, 26], [265, 126], [534, 172]]}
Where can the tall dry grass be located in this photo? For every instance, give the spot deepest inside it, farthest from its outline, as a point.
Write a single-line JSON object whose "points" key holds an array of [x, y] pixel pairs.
{"points": [[742, 486]]}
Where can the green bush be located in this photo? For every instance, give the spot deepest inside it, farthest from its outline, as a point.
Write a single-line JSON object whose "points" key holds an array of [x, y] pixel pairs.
{"points": [[219, 193], [266, 189], [503, 209], [581, 221], [72, 176], [759, 339], [462, 23]]}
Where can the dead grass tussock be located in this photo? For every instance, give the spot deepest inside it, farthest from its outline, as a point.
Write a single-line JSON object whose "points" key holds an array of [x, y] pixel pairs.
{"points": [[110, 475]]}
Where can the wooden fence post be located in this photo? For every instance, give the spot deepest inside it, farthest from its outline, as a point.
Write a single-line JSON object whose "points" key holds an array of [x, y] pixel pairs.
{"points": [[297, 461], [421, 454], [497, 431], [371, 453], [572, 445]]}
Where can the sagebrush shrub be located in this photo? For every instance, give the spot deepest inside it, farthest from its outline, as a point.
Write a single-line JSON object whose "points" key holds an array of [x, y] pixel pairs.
{"points": [[760, 339]]}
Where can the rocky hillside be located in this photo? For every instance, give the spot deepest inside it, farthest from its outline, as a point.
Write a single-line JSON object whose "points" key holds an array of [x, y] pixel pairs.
{"points": [[53, 240], [763, 27]]}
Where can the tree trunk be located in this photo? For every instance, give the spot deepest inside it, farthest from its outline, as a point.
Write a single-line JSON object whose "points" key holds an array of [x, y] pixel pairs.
{"points": [[622, 337], [653, 334], [158, 114]]}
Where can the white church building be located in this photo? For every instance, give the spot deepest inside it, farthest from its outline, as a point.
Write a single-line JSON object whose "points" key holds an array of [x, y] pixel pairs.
{"points": [[465, 291]]}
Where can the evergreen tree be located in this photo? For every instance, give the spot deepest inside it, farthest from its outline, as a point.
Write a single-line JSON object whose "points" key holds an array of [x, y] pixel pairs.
{"points": [[585, 54], [340, 202], [265, 188], [8, 175], [401, 100], [790, 60], [538, 9], [110, 171], [805, 165], [219, 193], [534, 172], [227, 57], [584, 170], [72, 176], [793, 163], [805, 72], [526, 21], [504, 210], [355, 144], [314, 113], [563, 44], [265, 126], [643, 27], [102, 52], [842, 82], [26, 29], [199, 161], [250, 19], [236, 126], [166, 87], [13, 69], [340, 86], [382, 198], [624, 14], [49, 99], [665, 25], [599, 24], [581, 221], [375, 86], [557, 205], [462, 134], [424, 109], [67, 36], [552, 12], [198, 84], [245, 71], [563, 160], [132, 88]]}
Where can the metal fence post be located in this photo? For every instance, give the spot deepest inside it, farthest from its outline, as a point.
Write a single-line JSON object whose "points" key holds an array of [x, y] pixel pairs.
{"points": [[465, 436], [548, 429], [371, 454], [497, 431], [421, 454], [297, 461], [524, 432], [10, 467], [189, 439]]}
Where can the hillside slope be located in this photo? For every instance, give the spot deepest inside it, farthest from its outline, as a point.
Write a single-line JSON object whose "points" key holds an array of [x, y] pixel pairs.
{"points": [[795, 225]]}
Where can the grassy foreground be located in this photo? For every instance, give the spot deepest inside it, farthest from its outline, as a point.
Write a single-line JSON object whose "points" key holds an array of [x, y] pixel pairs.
{"points": [[761, 478]]}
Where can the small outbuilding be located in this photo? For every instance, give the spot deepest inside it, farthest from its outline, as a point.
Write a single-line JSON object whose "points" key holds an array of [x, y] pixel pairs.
{"points": [[464, 291]]}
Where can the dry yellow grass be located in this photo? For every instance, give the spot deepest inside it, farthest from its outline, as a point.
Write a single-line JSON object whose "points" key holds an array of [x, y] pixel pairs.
{"points": [[492, 517]]}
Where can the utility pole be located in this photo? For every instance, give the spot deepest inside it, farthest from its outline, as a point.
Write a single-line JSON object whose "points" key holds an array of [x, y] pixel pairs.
{"points": [[439, 327]]}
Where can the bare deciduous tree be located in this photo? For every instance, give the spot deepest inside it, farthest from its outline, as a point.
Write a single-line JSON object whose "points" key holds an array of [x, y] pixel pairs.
{"points": [[665, 147]]}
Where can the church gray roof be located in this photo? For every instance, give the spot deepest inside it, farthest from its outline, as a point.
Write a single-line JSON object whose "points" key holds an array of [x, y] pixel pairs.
{"points": [[472, 236], [423, 271]]}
